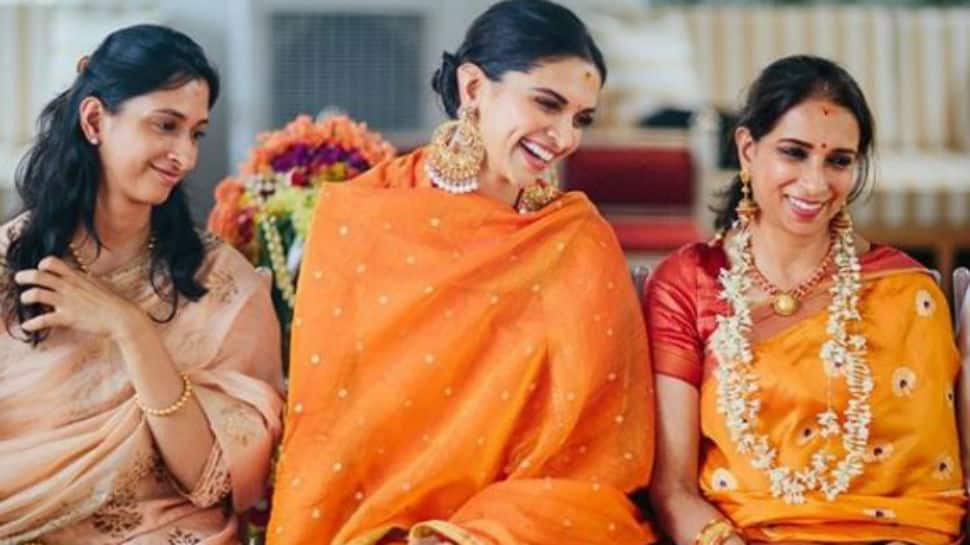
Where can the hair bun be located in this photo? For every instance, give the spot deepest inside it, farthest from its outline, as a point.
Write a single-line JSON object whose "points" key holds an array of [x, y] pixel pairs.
{"points": [[445, 83]]}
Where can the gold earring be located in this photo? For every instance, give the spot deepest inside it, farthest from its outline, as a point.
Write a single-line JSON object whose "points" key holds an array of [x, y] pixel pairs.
{"points": [[456, 154], [842, 221], [747, 209]]}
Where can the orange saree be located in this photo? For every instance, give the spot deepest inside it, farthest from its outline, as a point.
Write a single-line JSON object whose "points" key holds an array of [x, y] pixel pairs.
{"points": [[462, 370], [911, 489]]}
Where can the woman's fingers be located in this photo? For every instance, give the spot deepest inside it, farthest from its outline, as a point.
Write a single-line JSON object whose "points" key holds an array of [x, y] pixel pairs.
{"points": [[41, 296], [44, 321]]}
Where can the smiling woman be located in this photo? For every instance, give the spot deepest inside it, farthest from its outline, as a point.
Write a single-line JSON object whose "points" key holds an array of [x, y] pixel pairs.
{"points": [[791, 355], [469, 364], [140, 360]]}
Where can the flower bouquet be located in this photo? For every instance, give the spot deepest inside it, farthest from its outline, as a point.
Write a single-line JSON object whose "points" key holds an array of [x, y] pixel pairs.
{"points": [[265, 211]]}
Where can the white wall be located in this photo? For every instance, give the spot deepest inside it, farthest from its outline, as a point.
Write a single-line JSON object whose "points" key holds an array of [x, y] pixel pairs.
{"points": [[230, 31]]}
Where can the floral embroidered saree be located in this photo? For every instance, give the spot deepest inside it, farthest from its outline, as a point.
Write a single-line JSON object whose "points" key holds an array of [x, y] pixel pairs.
{"points": [[912, 486], [78, 460]]}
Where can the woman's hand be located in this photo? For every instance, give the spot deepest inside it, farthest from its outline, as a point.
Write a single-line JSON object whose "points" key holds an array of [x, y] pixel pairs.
{"points": [[77, 301]]}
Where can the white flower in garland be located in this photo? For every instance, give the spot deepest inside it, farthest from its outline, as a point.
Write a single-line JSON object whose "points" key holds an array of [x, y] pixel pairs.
{"points": [[843, 356]]}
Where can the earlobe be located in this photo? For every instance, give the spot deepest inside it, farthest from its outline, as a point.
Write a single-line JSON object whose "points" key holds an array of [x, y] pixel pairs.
{"points": [[91, 114]]}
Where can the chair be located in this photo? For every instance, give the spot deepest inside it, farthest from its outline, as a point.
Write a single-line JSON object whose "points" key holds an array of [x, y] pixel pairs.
{"points": [[961, 282], [640, 274]]}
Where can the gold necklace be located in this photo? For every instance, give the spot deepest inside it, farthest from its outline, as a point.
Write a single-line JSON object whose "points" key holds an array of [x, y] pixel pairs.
{"points": [[787, 302], [86, 267]]}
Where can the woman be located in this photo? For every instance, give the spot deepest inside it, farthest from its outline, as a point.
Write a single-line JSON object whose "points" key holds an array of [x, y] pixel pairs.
{"points": [[140, 362], [798, 363], [467, 366]]}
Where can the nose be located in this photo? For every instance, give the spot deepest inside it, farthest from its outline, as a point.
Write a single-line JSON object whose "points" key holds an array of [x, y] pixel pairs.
{"points": [[183, 154], [565, 136], [813, 178]]}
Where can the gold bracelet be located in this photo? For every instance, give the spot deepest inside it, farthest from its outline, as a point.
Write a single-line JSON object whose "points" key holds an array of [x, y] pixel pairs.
{"points": [[715, 532], [182, 400]]}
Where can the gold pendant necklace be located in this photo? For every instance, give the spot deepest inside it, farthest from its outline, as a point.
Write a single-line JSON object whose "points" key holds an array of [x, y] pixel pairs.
{"points": [[787, 302]]}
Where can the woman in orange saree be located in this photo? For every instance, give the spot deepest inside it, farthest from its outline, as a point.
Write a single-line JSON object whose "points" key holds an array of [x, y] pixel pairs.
{"points": [[805, 377], [465, 370]]}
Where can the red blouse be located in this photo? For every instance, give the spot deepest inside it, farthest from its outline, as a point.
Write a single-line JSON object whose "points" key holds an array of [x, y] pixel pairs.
{"points": [[682, 300]]}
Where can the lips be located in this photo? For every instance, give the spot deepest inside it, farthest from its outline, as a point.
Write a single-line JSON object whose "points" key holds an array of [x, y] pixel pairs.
{"points": [[169, 177], [804, 209], [537, 156]]}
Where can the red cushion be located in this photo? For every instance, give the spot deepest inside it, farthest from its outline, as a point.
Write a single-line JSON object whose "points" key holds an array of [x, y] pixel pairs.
{"points": [[648, 176], [655, 233]]}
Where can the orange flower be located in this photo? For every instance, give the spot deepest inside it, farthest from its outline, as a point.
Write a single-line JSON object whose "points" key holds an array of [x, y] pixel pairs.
{"points": [[223, 220]]}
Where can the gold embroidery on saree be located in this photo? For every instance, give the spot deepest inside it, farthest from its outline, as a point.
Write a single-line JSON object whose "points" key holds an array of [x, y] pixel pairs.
{"points": [[178, 536]]}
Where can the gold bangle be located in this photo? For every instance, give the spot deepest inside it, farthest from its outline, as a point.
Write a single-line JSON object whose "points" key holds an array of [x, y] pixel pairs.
{"points": [[715, 532], [182, 400]]}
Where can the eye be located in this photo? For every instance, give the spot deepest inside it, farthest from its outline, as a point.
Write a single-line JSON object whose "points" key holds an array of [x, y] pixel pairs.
{"points": [[794, 152], [583, 121], [547, 104], [841, 161], [198, 135], [166, 125]]}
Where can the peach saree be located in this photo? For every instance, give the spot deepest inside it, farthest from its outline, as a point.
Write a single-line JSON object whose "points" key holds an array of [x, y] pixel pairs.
{"points": [[78, 463]]}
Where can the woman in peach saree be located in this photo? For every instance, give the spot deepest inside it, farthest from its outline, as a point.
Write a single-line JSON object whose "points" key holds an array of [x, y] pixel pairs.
{"points": [[805, 377], [469, 363], [140, 362]]}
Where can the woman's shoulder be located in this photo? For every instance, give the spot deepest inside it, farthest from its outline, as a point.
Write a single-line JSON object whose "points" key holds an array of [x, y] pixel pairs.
{"points": [[223, 263], [691, 261]]}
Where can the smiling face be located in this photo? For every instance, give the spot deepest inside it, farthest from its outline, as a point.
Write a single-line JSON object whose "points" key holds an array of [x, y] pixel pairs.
{"points": [[530, 120], [151, 143], [804, 169]]}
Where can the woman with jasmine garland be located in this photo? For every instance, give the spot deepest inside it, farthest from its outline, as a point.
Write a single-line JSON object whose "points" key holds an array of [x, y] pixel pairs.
{"points": [[793, 356]]}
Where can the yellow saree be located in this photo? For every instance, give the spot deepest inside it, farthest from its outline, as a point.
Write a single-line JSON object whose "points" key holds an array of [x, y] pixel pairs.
{"points": [[912, 486]]}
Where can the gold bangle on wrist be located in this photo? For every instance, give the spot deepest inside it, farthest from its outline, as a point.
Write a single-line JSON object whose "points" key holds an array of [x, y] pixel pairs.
{"points": [[182, 400], [715, 532]]}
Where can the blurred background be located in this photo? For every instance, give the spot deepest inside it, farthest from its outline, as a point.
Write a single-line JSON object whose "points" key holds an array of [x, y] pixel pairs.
{"points": [[655, 161]]}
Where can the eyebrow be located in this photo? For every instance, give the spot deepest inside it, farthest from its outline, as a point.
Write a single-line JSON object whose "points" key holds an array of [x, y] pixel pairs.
{"points": [[180, 115], [805, 144], [559, 98]]}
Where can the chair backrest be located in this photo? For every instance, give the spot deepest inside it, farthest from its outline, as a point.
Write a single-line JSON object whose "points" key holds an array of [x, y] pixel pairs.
{"points": [[961, 281], [640, 274]]}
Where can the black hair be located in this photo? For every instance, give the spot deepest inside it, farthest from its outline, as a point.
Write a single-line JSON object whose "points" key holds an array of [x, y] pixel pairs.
{"points": [[515, 35], [783, 85], [58, 179]]}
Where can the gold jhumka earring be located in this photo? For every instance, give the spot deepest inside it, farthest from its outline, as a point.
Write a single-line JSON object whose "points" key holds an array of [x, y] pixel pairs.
{"points": [[747, 209], [456, 154]]}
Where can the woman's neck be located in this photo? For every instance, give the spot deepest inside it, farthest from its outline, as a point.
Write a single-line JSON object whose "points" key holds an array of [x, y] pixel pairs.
{"points": [[497, 188], [785, 259], [124, 229]]}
